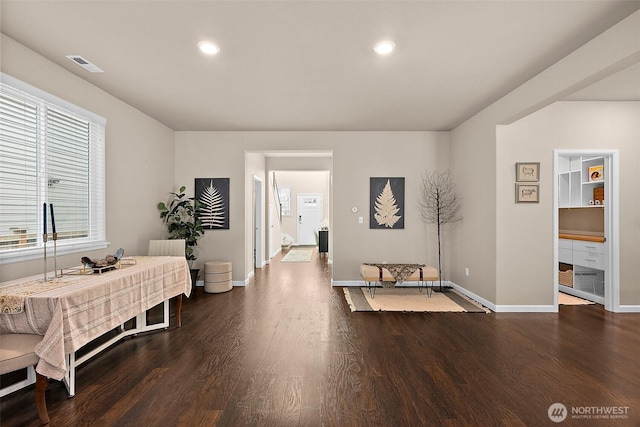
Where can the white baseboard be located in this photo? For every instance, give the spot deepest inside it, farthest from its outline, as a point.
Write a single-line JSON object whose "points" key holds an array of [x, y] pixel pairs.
{"points": [[347, 283], [628, 309], [473, 296], [505, 308], [234, 283], [491, 306], [244, 282], [525, 309]]}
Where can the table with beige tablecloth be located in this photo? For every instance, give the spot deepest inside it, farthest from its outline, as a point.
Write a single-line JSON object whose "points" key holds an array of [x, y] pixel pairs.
{"points": [[72, 310]]}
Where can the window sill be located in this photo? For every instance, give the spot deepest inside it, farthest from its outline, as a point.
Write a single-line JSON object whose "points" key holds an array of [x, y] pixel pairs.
{"points": [[11, 257]]}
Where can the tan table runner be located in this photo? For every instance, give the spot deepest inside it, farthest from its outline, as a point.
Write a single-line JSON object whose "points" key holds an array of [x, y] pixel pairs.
{"points": [[81, 308], [12, 297]]}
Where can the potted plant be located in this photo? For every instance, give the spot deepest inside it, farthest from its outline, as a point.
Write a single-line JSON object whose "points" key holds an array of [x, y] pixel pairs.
{"points": [[183, 223]]}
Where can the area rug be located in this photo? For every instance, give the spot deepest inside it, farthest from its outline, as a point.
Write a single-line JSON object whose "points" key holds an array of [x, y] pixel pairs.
{"points": [[410, 300], [298, 255], [566, 299]]}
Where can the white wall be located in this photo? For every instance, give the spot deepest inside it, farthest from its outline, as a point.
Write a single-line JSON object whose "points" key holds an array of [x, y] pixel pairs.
{"points": [[525, 235], [139, 157], [255, 166], [481, 241], [357, 156]]}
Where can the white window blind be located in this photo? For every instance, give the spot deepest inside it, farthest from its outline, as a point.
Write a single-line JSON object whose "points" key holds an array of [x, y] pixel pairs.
{"points": [[50, 152]]}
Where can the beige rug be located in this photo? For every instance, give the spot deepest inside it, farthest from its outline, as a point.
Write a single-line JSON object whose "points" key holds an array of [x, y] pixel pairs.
{"points": [[298, 255], [566, 299], [410, 300]]}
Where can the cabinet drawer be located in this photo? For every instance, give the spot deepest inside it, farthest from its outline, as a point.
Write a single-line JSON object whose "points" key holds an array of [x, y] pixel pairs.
{"points": [[589, 247], [565, 244], [565, 255], [591, 260]]}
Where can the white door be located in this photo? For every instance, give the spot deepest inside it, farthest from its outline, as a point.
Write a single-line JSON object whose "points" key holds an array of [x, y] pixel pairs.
{"points": [[257, 222], [309, 217]]}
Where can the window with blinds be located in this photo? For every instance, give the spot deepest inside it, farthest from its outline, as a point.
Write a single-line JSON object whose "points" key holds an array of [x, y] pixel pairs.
{"points": [[50, 152]]}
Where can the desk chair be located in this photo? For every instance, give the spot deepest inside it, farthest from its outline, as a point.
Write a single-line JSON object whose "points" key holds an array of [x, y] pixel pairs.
{"points": [[17, 352], [169, 248]]}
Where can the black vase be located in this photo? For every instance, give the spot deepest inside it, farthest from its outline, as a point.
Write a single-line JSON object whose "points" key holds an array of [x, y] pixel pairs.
{"points": [[194, 278]]}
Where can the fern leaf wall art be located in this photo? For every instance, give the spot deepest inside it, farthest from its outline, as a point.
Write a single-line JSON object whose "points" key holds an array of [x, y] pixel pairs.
{"points": [[212, 195], [386, 203]]}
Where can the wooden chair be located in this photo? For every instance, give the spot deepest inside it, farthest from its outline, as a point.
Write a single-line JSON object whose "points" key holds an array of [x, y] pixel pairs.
{"points": [[173, 247], [17, 352]]}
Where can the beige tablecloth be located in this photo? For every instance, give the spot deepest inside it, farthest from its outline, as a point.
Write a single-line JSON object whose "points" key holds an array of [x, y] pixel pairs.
{"points": [[79, 308]]}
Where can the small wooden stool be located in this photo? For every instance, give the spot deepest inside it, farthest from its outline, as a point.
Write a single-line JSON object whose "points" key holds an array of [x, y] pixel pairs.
{"points": [[218, 276]]}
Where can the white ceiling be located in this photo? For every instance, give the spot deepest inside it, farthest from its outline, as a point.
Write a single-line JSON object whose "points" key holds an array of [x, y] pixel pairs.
{"points": [[309, 65]]}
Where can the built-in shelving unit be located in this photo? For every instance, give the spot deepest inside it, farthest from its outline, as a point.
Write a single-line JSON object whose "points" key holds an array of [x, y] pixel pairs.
{"points": [[582, 248], [578, 178]]}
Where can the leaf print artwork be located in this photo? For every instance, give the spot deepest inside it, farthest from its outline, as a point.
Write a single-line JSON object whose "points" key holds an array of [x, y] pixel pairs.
{"points": [[212, 209], [386, 207]]}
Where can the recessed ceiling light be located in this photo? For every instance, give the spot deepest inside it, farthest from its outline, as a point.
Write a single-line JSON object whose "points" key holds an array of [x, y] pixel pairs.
{"points": [[384, 47], [208, 47]]}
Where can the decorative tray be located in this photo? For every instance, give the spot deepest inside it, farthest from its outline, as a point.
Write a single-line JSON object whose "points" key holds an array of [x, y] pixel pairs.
{"points": [[81, 269]]}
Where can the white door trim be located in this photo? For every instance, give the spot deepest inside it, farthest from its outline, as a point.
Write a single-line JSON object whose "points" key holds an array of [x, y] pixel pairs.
{"points": [[257, 223], [612, 223]]}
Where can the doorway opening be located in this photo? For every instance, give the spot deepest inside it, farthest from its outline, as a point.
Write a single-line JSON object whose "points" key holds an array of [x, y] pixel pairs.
{"points": [[302, 172], [586, 226], [300, 207]]}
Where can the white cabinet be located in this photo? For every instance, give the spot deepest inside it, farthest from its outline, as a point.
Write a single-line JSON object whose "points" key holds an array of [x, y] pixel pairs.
{"points": [[587, 259], [565, 251], [578, 177], [588, 254]]}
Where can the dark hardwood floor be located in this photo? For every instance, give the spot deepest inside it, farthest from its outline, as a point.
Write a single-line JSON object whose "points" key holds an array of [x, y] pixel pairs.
{"points": [[286, 351]]}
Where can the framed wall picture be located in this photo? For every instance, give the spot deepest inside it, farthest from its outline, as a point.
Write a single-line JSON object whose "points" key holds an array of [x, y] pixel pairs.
{"points": [[527, 193], [213, 195], [386, 203], [527, 172]]}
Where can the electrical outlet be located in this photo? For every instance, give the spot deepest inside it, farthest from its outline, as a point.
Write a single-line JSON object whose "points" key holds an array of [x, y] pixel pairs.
{"points": [[466, 271]]}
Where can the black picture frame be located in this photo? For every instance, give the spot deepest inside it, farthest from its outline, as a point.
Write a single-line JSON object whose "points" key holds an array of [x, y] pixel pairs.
{"points": [[213, 195], [386, 203]]}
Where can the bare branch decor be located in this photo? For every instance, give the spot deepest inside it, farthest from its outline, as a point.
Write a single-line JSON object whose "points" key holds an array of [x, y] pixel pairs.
{"points": [[439, 204]]}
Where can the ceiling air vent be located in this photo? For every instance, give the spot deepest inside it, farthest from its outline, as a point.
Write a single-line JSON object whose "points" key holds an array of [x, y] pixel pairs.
{"points": [[84, 63]]}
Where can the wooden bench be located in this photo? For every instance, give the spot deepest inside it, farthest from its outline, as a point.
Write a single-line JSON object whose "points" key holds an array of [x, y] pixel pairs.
{"points": [[374, 276]]}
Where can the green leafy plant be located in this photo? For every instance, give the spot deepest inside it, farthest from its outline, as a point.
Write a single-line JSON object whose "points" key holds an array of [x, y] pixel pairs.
{"points": [[181, 217]]}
